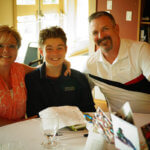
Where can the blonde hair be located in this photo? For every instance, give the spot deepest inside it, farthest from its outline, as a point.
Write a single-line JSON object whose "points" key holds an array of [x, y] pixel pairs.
{"points": [[6, 32]]}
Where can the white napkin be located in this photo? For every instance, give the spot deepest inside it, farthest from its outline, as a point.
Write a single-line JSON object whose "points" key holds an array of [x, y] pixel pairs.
{"points": [[95, 141], [68, 115]]}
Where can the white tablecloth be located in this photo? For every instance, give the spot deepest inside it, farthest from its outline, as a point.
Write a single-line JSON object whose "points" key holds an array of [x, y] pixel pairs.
{"points": [[30, 134]]}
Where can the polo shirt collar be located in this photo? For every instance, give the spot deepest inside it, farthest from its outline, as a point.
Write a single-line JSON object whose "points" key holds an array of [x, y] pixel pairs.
{"points": [[43, 71], [123, 52]]}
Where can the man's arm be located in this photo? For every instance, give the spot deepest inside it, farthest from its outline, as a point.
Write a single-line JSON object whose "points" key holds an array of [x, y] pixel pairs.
{"points": [[29, 68], [144, 60], [91, 83], [68, 66]]}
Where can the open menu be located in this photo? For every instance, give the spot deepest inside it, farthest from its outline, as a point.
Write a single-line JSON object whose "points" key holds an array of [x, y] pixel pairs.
{"points": [[68, 115]]}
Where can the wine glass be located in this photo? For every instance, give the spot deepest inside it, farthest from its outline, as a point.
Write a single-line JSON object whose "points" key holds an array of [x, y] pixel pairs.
{"points": [[50, 126]]}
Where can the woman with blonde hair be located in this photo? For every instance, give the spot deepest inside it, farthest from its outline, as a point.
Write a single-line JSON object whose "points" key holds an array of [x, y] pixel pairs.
{"points": [[12, 75]]}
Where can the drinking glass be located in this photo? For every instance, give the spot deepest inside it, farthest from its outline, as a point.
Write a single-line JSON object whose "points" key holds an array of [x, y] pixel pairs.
{"points": [[50, 126]]}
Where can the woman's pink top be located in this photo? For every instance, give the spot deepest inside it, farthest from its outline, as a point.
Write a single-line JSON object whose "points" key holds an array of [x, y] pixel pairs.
{"points": [[13, 102]]}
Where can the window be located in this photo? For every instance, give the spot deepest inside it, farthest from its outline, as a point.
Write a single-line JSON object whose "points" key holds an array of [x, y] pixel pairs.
{"points": [[25, 2], [31, 17], [50, 1], [77, 26], [71, 15]]}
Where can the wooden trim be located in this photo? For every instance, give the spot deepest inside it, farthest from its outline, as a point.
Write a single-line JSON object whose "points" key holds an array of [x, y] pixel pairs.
{"points": [[102, 104], [14, 14], [61, 6], [145, 22], [139, 21], [80, 52]]}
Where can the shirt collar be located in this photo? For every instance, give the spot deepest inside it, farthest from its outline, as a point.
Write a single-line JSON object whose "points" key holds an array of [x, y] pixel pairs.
{"points": [[123, 52], [43, 71]]}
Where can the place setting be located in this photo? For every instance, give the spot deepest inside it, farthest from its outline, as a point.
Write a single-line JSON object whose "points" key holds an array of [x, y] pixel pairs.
{"points": [[57, 124]]}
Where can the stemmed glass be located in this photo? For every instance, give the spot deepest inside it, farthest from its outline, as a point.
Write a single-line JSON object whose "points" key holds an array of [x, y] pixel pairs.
{"points": [[50, 126]]}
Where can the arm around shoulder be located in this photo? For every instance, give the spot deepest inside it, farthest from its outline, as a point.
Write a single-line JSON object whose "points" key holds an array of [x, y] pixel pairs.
{"points": [[91, 83], [144, 60], [28, 68]]}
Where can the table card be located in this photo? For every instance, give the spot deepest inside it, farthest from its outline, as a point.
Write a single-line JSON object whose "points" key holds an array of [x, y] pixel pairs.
{"points": [[102, 124], [125, 131], [120, 130]]}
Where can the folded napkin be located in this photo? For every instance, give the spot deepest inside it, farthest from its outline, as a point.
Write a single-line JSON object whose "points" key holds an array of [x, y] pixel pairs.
{"points": [[68, 115]]}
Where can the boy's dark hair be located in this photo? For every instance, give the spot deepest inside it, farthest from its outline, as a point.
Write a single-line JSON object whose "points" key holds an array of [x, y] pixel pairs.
{"points": [[52, 32], [100, 14]]}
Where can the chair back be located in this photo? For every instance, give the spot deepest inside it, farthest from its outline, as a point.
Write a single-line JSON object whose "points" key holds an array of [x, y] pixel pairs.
{"points": [[32, 57]]}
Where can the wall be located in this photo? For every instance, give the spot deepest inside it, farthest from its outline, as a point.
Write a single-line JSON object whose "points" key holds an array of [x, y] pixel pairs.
{"points": [[6, 12], [128, 29]]}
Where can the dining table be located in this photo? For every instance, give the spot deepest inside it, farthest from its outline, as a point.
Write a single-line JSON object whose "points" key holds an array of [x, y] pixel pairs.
{"points": [[30, 134]]}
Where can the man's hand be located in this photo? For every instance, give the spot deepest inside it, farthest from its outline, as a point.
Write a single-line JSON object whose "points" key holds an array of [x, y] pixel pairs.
{"points": [[68, 66]]}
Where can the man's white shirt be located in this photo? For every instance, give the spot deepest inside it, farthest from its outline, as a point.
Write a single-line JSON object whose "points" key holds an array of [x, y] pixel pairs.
{"points": [[121, 81]]}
